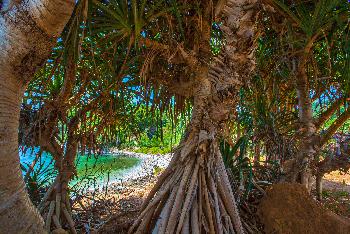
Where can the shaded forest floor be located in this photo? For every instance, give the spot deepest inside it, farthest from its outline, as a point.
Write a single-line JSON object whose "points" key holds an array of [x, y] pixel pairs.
{"points": [[337, 181], [336, 193], [114, 210]]}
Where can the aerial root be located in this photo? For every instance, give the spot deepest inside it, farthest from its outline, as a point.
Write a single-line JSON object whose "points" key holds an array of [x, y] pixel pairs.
{"points": [[195, 197], [58, 208]]}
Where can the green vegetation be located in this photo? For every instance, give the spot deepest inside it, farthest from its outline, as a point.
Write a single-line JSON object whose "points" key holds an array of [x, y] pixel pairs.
{"points": [[152, 132], [105, 164]]}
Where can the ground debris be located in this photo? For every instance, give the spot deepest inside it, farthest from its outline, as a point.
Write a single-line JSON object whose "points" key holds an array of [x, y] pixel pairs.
{"points": [[114, 211]]}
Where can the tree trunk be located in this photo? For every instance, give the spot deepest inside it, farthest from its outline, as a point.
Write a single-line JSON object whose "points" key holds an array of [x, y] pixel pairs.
{"points": [[193, 195], [331, 163], [319, 180], [28, 31], [17, 214], [55, 206], [310, 142], [257, 154], [307, 130], [195, 182]]}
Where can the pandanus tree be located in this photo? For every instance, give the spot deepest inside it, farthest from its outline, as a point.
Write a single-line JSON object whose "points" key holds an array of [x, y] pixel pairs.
{"points": [[79, 102], [82, 128], [312, 32], [62, 131], [268, 109], [193, 194], [310, 41], [28, 31], [83, 103]]}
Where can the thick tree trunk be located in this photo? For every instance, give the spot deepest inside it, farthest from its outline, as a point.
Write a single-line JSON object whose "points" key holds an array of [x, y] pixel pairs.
{"points": [[194, 195], [28, 31], [17, 214]]}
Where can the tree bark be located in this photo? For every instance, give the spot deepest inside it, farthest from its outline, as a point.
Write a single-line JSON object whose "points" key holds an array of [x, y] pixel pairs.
{"points": [[28, 31], [307, 130], [257, 154], [310, 140], [307, 127], [57, 196], [319, 180]]}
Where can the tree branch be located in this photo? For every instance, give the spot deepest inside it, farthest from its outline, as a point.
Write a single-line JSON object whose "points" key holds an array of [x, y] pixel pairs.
{"points": [[328, 113], [334, 163], [335, 126]]}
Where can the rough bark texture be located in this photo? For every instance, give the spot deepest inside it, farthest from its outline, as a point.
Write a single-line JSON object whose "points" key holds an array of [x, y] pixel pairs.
{"points": [[28, 31], [307, 128], [194, 195]]}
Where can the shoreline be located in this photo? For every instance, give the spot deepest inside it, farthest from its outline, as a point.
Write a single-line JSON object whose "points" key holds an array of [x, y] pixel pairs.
{"points": [[147, 165], [144, 170]]}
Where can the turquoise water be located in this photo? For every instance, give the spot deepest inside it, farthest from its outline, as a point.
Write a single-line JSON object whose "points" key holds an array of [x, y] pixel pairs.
{"points": [[92, 171]]}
